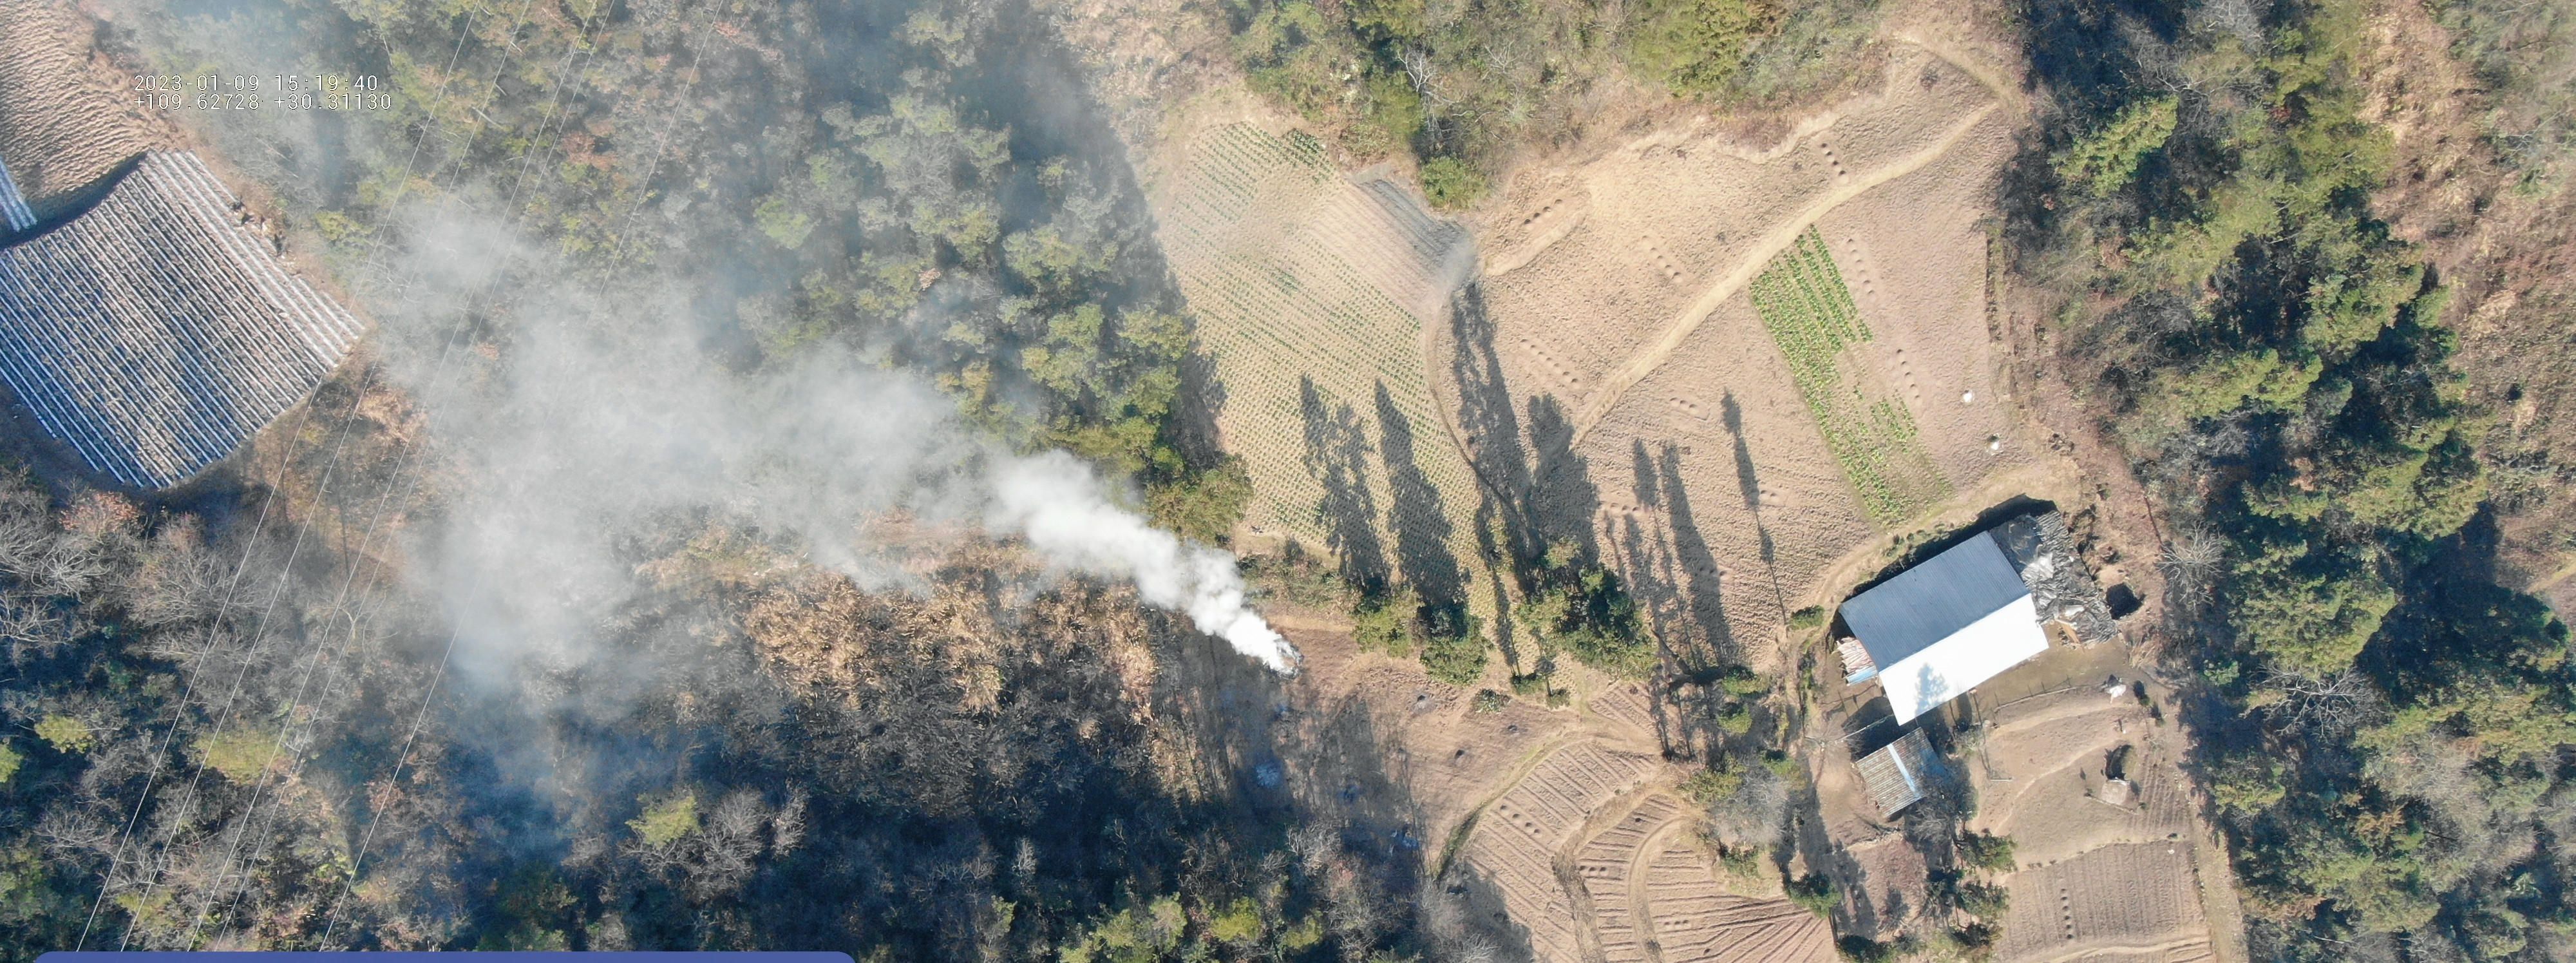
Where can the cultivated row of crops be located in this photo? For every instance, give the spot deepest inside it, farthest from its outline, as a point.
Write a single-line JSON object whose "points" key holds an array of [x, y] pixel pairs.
{"points": [[1810, 314], [1310, 293], [154, 333]]}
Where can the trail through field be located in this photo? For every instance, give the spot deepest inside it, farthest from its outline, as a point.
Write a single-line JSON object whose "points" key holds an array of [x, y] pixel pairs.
{"points": [[1780, 238], [1641, 894]]}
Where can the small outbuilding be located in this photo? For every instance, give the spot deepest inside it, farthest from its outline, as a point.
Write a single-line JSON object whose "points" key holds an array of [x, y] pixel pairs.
{"points": [[1895, 774]]}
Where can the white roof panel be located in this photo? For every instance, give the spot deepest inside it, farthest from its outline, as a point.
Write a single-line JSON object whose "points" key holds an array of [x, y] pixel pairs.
{"points": [[1941, 671]]}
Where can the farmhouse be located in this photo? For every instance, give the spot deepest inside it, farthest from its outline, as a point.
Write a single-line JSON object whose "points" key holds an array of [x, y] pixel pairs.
{"points": [[1937, 630], [154, 332]]}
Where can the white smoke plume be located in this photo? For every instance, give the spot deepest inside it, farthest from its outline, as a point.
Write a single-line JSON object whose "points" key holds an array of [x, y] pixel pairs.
{"points": [[1057, 503], [604, 412]]}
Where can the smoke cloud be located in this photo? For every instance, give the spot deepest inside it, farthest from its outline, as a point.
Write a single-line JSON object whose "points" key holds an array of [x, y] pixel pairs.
{"points": [[1056, 502], [598, 414]]}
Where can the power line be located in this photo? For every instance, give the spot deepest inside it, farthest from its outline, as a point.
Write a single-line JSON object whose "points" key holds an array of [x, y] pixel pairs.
{"points": [[179, 715], [583, 49], [429, 697], [267, 502]]}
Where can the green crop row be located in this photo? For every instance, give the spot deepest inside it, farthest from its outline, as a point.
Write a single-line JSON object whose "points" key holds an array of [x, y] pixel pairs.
{"points": [[1811, 317]]}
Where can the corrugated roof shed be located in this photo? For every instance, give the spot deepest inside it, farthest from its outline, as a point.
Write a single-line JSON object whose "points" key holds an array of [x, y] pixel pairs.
{"points": [[1895, 774], [154, 333]]}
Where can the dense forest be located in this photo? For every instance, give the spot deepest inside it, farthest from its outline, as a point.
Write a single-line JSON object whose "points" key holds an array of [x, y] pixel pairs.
{"points": [[2383, 729], [346, 696]]}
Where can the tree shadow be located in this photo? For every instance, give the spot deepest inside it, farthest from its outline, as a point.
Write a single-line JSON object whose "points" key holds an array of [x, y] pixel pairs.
{"points": [[1646, 564], [1698, 564], [1337, 452], [1492, 434], [1563, 500], [1491, 424], [1419, 519]]}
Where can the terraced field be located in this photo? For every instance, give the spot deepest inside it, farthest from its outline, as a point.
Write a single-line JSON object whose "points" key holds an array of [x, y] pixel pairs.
{"points": [[1311, 292], [2108, 873], [1698, 921], [1516, 840], [1809, 311], [2130, 901], [154, 333]]}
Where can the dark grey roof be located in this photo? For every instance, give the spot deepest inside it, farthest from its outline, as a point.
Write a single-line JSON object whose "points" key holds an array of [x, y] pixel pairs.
{"points": [[1925, 604], [154, 334]]}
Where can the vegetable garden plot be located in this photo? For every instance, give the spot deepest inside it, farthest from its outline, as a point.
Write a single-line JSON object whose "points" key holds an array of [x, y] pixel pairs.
{"points": [[1810, 314], [154, 333]]}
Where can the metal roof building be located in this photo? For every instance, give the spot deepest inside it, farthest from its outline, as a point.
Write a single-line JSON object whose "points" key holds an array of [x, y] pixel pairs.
{"points": [[1895, 774], [154, 333], [1938, 629]]}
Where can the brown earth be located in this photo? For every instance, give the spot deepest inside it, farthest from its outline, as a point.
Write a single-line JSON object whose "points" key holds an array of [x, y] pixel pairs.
{"points": [[70, 117], [2108, 871], [1616, 289]]}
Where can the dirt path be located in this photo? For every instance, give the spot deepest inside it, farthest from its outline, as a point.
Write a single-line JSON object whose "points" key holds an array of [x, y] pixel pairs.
{"points": [[2002, 87], [2165, 947], [1568, 857], [1641, 903], [1654, 355]]}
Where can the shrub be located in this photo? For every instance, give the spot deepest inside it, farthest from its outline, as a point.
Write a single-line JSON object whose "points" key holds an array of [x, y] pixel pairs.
{"points": [[1984, 900], [241, 755], [1487, 701], [666, 820], [784, 222], [1741, 683], [1451, 183], [1710, 785], [1239, 922], [66, 733], [1456, 659], [1986, 851], [1815, 892], [1779, 762], [1743, 862], [1812, 616], [2107, 160], [1384, 622], [1695, 46], [1735, 719], [1202, 505]]}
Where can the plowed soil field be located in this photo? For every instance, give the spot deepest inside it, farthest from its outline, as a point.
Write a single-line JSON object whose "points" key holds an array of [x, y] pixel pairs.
{"points": [[1767, 435], [69, 118], [2108, 871], [1312, 292]]}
